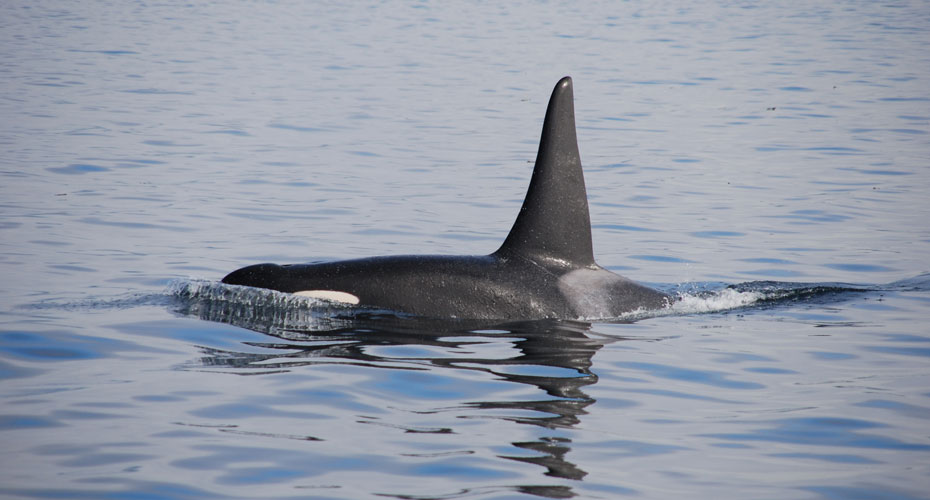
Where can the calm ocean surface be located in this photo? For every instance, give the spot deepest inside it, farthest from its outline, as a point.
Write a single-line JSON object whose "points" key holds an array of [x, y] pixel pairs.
{"points": [[149, 149]]}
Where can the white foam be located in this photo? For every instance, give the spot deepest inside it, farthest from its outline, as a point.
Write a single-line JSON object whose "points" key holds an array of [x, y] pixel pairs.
{"points": [[722, 300]]}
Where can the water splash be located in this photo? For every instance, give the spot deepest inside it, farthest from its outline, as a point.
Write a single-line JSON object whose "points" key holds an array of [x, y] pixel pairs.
{"points": [[275, 312], [262, 310], [698, 298], [717, 301]]}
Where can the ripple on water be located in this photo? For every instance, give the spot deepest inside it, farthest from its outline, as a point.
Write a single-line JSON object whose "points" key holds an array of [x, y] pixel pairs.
{"points": [[717, 234], [78, 169], [703, 377], [860, 268], [821, 431]]}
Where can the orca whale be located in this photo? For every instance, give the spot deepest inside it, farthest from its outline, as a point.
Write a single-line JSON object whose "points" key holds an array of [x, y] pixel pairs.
{"points": [[544, 269]]}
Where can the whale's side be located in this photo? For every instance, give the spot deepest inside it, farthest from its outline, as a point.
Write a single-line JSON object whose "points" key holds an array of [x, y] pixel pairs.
{"points": [[544, 269]]}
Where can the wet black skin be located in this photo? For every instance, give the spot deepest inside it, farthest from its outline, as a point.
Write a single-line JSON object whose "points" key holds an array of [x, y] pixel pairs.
{"points": [[544, 269]]}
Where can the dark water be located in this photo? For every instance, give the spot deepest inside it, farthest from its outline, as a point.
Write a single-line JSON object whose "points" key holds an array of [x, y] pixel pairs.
{"points": [[767, 163]]}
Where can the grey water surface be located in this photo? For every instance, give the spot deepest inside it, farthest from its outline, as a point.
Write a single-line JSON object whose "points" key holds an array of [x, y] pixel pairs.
{"points": [[768, 163]]}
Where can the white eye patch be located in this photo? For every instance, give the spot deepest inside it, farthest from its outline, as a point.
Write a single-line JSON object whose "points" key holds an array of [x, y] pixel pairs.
{"points": [[333, 295]]}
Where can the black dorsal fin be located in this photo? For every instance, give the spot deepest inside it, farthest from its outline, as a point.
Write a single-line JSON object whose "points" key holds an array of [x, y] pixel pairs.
{"points": [[553, 225]]}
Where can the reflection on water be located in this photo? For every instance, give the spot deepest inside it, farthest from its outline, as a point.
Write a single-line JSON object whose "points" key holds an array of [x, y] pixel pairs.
{"points": [[321, 392], [553, 356]]}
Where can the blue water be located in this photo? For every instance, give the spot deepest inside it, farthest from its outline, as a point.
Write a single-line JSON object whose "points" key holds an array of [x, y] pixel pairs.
{"points": [[768, 163]]}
